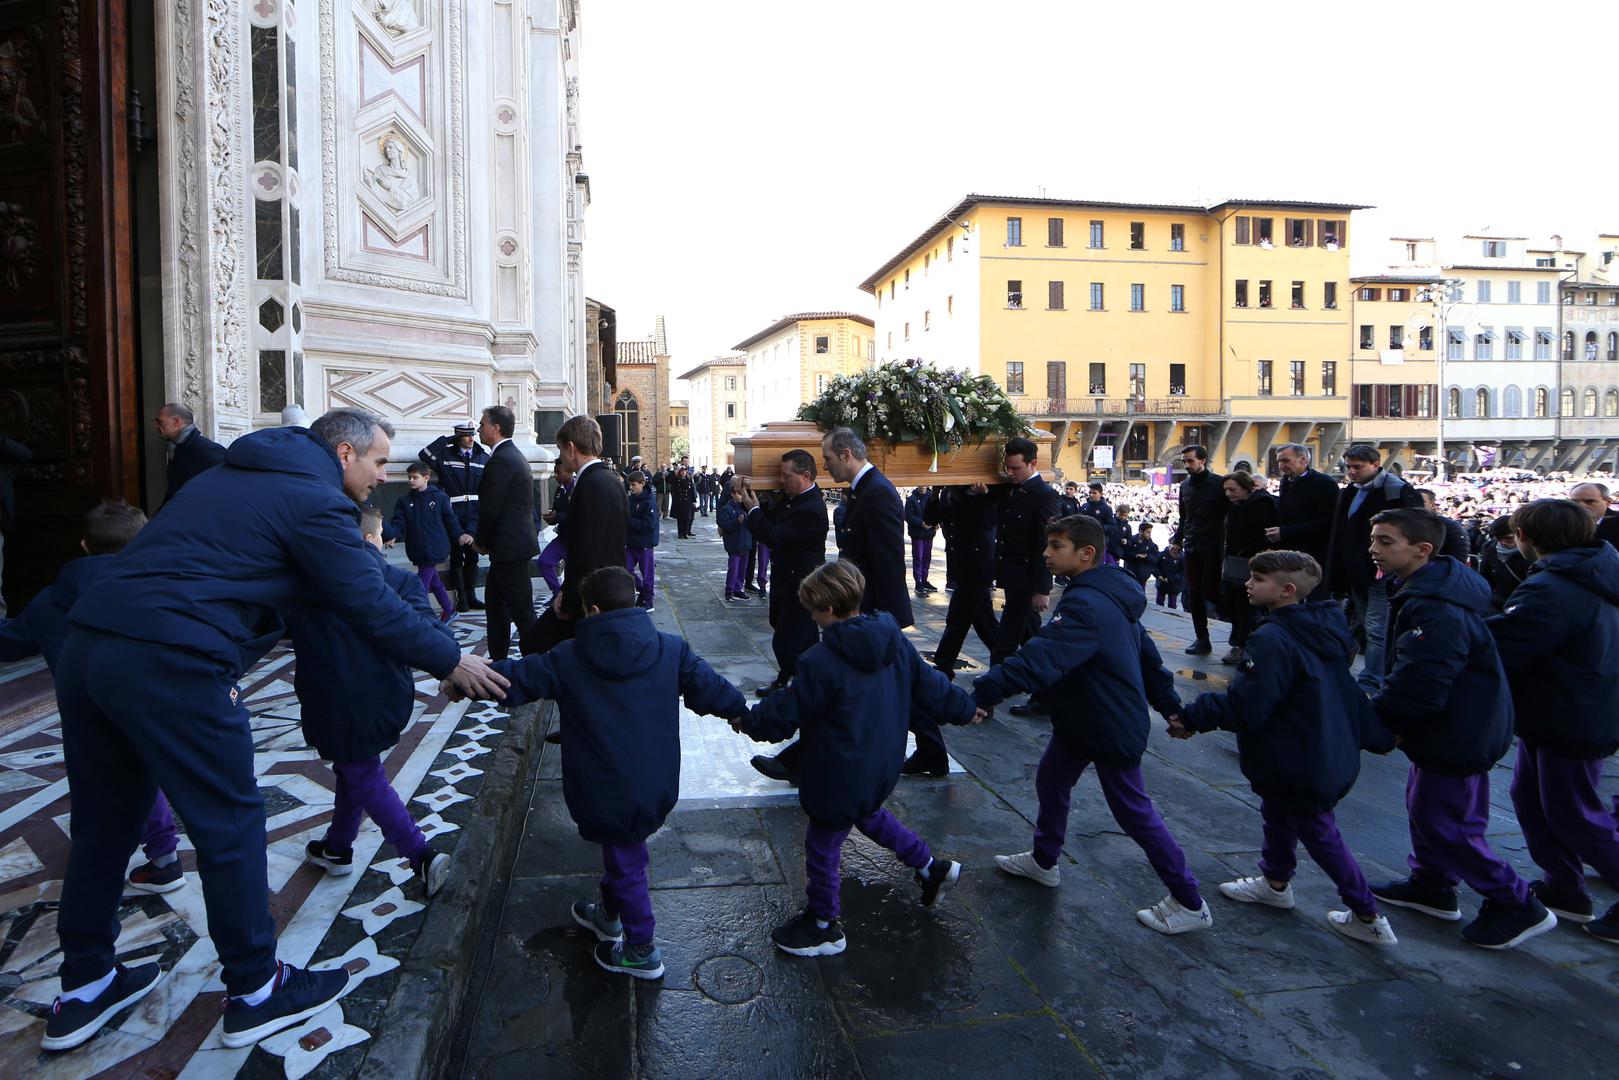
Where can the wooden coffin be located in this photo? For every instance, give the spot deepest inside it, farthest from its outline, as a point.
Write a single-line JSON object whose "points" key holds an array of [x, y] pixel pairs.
{"points": [[758, 457]]}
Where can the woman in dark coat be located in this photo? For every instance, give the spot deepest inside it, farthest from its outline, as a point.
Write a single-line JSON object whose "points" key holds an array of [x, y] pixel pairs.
{"points": [[1252, 512]]}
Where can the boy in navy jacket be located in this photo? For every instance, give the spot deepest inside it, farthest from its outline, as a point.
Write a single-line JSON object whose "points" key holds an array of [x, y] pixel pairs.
{"points": [[851, 701], [431, 531], [1446, 697], [732, 518], [1559, 642], [1169, 575], [921, 534], [641, 536], [617, 684], [1300, 722], [40, 631], [1095, 664], [1141, 555], [354, 703]]}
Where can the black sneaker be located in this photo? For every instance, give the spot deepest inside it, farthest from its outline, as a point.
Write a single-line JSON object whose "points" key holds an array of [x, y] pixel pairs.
{"points": [[335, 863], [1501, 927], [941, 874], [1199, 648], [1030, 708], [1605, 928], [594, 917], [801, 937], [1410, 893], [774, 769], [434, 872], [917, 765], [770, 688], [298, 994], [151, 878], [636, 961], [1575, 907], [74, 1022]]}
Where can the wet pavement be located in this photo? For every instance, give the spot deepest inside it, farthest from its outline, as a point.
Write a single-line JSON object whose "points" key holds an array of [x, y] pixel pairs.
{"points": [[1004, 977]]}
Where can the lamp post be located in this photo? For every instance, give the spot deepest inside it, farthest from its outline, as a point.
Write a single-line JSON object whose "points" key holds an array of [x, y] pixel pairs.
{"points": [[1445, 294]]}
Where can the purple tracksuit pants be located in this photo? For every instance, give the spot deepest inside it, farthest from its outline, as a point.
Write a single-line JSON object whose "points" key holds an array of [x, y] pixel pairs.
{"points": [[363, 788], [1286, 828], [160, 838], [433, 584], [1126, 795], [1448, 817], [823, 856], [549, 560], [624, 890], [763, 576], [921, 561], [641, 563], [736, 567], [1565, 822]]}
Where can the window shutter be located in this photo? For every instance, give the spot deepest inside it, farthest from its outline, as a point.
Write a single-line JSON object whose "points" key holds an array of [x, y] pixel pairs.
{"points": [[1242, 230]]}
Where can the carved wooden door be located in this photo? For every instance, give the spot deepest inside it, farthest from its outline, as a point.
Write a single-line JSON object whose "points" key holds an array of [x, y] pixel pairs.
{"points": [[67, 370]]}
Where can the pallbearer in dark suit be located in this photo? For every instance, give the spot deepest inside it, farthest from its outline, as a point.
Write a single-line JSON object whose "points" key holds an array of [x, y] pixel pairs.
{"points": [[795, 529], [191, 453], [506, 532], [875, 525], [594, 531]]}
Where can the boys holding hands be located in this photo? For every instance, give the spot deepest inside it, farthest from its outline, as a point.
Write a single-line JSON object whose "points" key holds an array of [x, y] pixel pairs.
{"points": [[850, 701], [1445, 696], [1099, 669], [1300, 721], [428, 524]]}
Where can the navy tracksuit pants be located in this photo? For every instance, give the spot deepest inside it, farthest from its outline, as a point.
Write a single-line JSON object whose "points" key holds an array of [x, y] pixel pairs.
{"points": [[137, 716]]}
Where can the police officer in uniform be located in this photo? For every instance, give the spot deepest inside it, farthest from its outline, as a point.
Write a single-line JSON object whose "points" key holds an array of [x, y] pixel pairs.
{"points": [[459, 462]]}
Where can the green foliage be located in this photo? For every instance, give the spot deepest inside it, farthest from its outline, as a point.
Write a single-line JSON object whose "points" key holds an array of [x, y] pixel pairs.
{"points": [[907, 401]]}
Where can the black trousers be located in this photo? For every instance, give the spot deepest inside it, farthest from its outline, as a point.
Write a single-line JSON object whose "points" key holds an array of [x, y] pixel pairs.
{"points": [[683, 515], [795, 633], [509, 596], [549, 632], [1243, 616], [1018, 624], [1202, 588], [463, 562], [970, 608]]}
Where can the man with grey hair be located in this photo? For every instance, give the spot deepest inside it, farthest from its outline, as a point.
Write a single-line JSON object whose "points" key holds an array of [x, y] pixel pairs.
{"points": [[191, 453], [1308, 497], [1594, 498], [147, 690], [875, 524]]}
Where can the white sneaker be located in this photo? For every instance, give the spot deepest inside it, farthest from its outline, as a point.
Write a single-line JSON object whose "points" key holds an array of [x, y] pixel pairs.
{"points": [[1256, 890], [1167, 916], [1376, 932], [1023, 865]]}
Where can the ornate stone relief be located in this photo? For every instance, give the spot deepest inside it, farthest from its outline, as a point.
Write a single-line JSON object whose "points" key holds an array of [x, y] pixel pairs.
{"points": [[407, 395]]}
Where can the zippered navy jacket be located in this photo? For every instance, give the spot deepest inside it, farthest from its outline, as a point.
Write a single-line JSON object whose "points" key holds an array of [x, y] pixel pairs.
{"points": [[253, 538], [1445, 693], [642, 529], [733, 524], [1096, 668], [1559, 642], [916, 525], [42, 626], [353, 701], [618, 685], [1300, 720], [427, 524], [851, 703]]}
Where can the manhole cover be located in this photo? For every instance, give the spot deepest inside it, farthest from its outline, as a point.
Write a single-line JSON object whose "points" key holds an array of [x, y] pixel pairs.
{"points": [[729, 980]]}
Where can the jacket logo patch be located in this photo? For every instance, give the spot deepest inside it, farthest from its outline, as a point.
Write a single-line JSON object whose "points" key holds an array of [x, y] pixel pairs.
{"points": [[1247, 663], [233, 695]]}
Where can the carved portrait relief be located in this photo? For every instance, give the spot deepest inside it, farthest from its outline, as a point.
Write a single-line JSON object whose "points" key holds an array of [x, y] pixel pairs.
{"points": [[392, 180], [398, 17]]}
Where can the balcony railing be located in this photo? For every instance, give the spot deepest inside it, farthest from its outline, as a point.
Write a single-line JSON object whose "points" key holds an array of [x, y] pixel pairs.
{"points": [[1174, 405]]}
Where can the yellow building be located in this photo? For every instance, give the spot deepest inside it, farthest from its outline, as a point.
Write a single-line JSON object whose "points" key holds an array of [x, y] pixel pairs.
{"points": [[1140, 328], [794, 358], [717, 404], [1394, 398]]}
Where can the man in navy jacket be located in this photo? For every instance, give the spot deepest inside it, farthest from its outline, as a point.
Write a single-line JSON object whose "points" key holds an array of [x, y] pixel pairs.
{"points": [[795, 530], [146, 685], [1559, 643]]}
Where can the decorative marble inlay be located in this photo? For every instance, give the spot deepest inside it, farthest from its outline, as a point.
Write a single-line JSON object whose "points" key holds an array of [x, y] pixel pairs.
{"points": [[304, 1047], [405, 82], [379, 912]]}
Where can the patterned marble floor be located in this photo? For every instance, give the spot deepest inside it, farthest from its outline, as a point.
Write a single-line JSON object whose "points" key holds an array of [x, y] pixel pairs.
{"points": [[364, 921]]}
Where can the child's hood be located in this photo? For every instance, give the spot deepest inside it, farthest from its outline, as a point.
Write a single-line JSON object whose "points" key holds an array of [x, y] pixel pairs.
{"points": [[869, 642], [1319, 626], [1449, 581], [285, 450], [78, 576], [618, 643], [1119, 587], [1593, 567]]}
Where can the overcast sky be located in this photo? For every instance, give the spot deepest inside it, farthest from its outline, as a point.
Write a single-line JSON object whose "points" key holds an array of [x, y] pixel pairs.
{"points": [[750, 159]]}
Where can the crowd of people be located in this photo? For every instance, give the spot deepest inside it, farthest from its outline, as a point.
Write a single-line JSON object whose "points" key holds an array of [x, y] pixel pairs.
{"points": [[150, 633]]}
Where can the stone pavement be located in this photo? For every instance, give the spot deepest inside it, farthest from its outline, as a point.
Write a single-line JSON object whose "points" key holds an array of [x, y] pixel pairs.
{"points": [[367, 921], [1003, 977]]}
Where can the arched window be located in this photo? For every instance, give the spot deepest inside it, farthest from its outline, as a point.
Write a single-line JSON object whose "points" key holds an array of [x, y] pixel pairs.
{"points": [[1610, 403], [1568, 344], [1481, 406], [1588, 402], [1512, 402], [1565, 402], [1590, 344], [627, 407], [1613, 344], [1541, 402]]}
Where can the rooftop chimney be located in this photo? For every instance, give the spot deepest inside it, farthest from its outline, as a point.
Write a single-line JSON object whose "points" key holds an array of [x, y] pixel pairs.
{"points": [[661, 338]]}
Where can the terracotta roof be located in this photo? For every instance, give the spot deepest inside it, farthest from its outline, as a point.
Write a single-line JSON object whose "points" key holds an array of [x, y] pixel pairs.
{"points": [[972, 202], [1513, 269], [637, 352], [717, 362], [803, 316], [1397, 279]]}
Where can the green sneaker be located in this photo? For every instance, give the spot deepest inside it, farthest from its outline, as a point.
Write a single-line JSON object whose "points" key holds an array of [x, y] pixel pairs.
{"points": [[636, 961]]}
